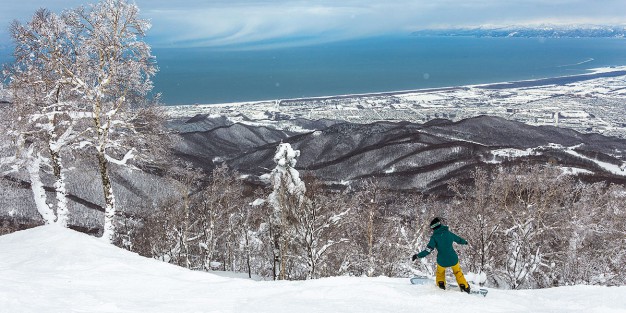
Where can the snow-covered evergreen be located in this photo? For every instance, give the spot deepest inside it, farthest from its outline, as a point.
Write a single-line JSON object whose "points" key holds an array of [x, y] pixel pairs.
{"points": [[286, 200], [285, 176]]}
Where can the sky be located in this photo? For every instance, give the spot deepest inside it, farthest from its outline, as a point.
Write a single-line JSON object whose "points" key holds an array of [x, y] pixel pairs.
{"points": [[250, 22]]}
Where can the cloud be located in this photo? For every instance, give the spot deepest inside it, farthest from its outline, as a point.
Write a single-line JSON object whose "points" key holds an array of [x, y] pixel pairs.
{"points": [[228, 25], [223, 23], [261, 22], [23, 10]]}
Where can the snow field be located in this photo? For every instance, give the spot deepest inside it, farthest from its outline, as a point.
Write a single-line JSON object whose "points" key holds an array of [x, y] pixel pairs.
{"points": [[53, 269]]}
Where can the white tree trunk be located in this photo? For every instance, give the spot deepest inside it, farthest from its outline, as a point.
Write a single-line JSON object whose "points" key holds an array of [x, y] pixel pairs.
{"points": [[38, 192], [109, 199], [62, 212], [61, 195], [109, 216]]}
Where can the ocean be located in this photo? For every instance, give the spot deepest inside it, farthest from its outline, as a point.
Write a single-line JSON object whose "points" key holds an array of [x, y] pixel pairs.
{"points": [[209, 75], [205, 76]]}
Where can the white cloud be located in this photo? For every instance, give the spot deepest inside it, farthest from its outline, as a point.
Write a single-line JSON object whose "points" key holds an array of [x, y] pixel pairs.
{"points": [[244, 21], [228, 22], [254, 23]]}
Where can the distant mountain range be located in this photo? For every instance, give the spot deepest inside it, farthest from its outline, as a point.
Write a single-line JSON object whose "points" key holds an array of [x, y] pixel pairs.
{"points": [[402, 156], [548, 31]]}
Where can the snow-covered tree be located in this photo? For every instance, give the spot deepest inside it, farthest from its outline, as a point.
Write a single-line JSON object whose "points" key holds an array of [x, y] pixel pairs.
{"points": [[85, 64], [367, 226], [517, 221], [113, 74], [533, 225], [225, 192], [319, 229], [413, 233], [477, 210], [286, 200], [44, 102], [595, 245], [187, 183], [4, 93]]}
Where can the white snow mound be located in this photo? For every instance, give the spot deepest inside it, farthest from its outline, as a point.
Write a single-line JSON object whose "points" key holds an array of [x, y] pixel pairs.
{"points": [[52, 269]]}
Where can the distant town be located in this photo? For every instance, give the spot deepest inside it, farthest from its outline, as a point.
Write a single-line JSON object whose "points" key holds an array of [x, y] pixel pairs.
{"points": [[588, 103]]}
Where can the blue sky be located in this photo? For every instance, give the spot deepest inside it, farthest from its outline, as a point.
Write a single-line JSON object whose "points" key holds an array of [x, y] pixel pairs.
{"points": [[230, 22]]}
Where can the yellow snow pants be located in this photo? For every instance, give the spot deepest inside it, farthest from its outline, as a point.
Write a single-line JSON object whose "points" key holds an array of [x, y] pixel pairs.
{"points": [[456, 270]]}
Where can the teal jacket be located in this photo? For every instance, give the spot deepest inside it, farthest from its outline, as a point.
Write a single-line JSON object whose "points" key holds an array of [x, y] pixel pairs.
{"points": [[442, 240]]}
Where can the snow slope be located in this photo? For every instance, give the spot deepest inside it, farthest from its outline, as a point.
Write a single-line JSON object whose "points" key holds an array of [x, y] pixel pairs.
{"points": [[51, 269]]}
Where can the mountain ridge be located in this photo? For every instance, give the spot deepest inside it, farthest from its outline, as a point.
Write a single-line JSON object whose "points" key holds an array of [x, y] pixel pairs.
{"points": [[403, 155], [540, 31]]}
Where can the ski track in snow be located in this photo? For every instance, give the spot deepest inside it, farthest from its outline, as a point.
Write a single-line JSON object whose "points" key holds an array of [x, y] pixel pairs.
{"points": [[611, 168], [52, 269], [516, 153]]}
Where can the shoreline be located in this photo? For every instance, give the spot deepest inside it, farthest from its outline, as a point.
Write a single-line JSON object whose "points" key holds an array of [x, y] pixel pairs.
{"points": [[595, 73], [591, 102]]}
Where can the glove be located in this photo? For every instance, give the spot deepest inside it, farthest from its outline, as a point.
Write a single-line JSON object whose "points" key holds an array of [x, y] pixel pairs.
{"points": [[414, 257]]}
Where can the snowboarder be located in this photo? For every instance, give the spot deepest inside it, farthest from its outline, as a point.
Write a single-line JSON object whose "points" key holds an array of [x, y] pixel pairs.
{"points": [[442, 240]]}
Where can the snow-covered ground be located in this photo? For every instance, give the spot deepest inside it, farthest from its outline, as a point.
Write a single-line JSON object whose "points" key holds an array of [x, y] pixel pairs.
{"points": [[513, 153], [51, 269]]}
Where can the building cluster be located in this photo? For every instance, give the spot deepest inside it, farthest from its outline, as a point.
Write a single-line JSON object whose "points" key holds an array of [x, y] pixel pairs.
{"points": [[592, 105]]}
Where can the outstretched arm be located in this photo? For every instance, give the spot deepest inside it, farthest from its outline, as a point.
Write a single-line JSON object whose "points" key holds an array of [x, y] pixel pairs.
{"points": [[429, 248], [458, 239], [425, 252]]}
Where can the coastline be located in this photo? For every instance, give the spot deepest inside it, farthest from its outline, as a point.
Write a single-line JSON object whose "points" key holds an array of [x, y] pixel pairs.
{"points": [[595, 73], [592, 102], [559, 80]]}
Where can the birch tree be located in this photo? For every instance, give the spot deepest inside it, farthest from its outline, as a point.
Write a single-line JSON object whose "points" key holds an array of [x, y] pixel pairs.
{"points": [[225, 192], [319, 228], [88, 62], [113, 76], [44, 103], [366, 223], [479, 208]]}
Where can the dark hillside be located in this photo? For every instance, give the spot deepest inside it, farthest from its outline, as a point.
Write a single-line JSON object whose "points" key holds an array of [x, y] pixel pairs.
{"points": [[401, 155]]}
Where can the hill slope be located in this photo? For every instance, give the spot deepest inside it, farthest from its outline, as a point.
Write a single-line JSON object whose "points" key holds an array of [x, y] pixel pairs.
{"points": [[406, 155], [50, 269]]}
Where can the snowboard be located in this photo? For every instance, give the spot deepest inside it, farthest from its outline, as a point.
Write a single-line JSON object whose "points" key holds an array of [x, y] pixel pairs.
{"points": [[424, 280]]}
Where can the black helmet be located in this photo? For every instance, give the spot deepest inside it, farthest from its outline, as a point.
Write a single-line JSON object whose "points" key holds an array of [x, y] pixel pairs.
{"points": [[435, 223]]}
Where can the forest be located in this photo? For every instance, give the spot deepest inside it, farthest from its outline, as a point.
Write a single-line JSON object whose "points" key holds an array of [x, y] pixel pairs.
{"points": [[528, 226]]}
